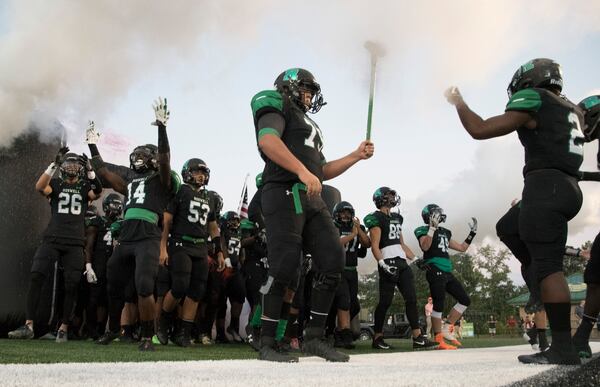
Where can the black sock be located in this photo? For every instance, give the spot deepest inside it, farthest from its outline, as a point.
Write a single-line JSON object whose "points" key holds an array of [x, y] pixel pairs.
{"points": [[320, 303], [559, 316], [585, 328], [147, 330], [542, 340], [291, 330]]}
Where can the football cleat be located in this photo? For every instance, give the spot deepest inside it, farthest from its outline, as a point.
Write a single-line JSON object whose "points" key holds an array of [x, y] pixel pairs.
{"points": [[422, 342], [270, 354], [61, 336], [582, 347], [552, 356], [206, 340], [447, 331], [146, 345], [439, 338], [321, 348], [23, 332], [107, 338], [378, 343]]}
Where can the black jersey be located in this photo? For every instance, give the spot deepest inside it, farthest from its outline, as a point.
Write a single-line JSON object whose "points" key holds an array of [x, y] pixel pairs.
{"points": [[301, 135], [192, 211], [233, 243], [147, 198], [103, 245], [354, 249], [68, 204], [438, 252], [557, 141], [255, 211], [391, 230]]}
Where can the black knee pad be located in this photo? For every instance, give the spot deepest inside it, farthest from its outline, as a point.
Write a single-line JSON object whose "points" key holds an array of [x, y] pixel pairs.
{"points": [[327, 282], [180, 284], [197, 293]]}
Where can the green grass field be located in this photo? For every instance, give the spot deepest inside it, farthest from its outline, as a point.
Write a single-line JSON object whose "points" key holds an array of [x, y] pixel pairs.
{"points": [[40, 351]]}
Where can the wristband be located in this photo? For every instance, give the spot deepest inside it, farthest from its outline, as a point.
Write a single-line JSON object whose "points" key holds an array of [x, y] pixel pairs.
{"points": [[51, 169], [431, 231], [571, 251], [470, 237]]}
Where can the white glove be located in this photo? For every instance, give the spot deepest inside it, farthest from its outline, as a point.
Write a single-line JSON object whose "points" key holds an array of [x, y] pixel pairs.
{"points": [[434, 219], [161, 111], [228, 262], [391, 270], [89, 274], [473, 225], [453, 95], [91, 134]]}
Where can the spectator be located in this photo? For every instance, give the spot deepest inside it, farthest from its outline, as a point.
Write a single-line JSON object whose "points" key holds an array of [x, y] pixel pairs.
{"points": [[492, 326], [511, 324], [428, 310], [459, 326]]}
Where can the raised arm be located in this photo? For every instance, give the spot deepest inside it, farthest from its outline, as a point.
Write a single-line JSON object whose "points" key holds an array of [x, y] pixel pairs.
{"points": [[115, 181], [43, 183], [462, 247], [481, 129], [162, 114]]}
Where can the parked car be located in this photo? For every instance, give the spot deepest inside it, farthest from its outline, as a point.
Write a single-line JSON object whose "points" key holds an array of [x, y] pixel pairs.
{"points": [[396, 326]]}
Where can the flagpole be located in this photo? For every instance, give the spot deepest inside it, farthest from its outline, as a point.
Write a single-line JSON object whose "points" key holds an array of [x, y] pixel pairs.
{"points": [[244, 189]]}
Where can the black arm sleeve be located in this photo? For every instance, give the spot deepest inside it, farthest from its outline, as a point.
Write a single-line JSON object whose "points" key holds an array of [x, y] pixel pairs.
{"points": [[96, 185], [272, 120], [164, 156], [589, 176]]}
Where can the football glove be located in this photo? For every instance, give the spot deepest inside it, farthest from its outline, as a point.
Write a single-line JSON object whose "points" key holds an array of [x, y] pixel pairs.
{"points": [[60, 156], [90, 275], [161, 112], [391, 270], [473, 225], [228, 263], [434, 219], [453, 95], [91, 134]]}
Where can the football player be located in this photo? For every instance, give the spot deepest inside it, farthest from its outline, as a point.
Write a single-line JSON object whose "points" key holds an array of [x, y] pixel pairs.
{"points": [[393, 258], [148, 186], [189, 220], [355, 241], [64, 237], [435, 241], [234, 287], [549, 128], [291, 144], [591, 276], [99, 247]]}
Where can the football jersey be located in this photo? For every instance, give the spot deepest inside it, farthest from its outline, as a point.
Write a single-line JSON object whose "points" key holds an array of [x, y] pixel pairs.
{"points": [[391, 230], [68, 205], [301, 135], [146, 192], [438, 251], [557, 141], [103, 246], [354, 249], [233, 244], [192, 211]]}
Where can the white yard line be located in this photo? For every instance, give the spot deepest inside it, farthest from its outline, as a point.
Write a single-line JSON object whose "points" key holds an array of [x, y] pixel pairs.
{"points": [[466, 367]]}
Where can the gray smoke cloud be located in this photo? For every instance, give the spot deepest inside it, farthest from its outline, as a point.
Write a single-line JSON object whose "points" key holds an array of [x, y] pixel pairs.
{"points": [[75, 59]]}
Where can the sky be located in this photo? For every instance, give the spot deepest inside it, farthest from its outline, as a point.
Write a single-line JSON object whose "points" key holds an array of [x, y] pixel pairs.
{"points": [[108, 60]]}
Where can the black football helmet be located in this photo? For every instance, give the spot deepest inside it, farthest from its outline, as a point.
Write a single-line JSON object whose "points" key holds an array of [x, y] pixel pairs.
{"points": [[385, 197], [293, 82], [218, 202], [144, 158], [71, 167], [195, 165], [230, 220], [540, 72], [591, 111], [430, 209], [338, 210], [112, 205]]}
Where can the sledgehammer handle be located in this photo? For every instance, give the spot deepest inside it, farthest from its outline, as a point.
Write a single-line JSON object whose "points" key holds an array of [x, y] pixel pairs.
{"points": [[371, 95]]}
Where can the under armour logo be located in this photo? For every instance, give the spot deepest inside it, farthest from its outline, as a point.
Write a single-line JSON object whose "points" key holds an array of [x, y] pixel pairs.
{"points": [[288, 192]]}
